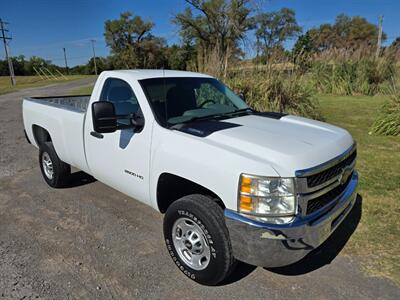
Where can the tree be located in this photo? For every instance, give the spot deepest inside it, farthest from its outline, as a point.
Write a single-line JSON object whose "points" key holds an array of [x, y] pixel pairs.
{"points": [[273, 28], [304, 45], [4, 68], [302, 51], [216, 28], [394, 49], [36, 62], [100, 65], [396, 44], [132, 43], [346, 33], [180, 56], [19, 65]]}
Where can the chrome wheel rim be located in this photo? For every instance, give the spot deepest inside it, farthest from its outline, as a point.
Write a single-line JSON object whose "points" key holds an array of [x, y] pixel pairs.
{"points": [[47, 165], [191, 244]]}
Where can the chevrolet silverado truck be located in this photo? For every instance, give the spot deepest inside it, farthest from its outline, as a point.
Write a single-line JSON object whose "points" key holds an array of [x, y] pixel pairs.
{"points": [[233, 183]]}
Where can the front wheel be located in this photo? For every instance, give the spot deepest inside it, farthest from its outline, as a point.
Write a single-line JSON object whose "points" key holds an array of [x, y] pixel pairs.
{"points": [[197, 239]]}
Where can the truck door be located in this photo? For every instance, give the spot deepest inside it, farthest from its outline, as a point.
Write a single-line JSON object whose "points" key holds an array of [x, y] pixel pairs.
{"points": [[120, 159]]}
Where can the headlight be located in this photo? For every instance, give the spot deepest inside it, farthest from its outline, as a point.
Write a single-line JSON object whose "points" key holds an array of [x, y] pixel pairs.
{"points": [[267, 196]]}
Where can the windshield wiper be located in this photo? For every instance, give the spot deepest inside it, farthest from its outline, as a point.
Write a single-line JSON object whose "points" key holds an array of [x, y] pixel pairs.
{"points": [[198, 118], [239, 111], [215, 116]]}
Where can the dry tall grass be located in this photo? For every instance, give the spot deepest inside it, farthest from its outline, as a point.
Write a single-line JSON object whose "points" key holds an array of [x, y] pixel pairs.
{"points": [[289, 84], [388, 121], [273, 90]]}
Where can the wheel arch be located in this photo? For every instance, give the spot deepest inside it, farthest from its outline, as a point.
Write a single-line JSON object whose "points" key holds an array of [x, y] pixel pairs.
{"points": [[171, 187], [40, 134]]}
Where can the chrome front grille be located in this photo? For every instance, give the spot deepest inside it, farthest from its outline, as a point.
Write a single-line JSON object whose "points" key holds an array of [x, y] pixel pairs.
{"points": [[334, 171], [321, 185], [317, 203]]}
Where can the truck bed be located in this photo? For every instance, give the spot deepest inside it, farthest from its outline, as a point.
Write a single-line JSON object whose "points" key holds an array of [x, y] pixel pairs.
{"points": [[74, 103], [63, 117]]}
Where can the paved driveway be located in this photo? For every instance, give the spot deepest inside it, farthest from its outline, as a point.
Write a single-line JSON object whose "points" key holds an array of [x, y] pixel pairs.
{"points": [[90, 241]]}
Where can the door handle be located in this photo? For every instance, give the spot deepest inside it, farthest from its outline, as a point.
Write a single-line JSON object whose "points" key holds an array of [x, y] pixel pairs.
{"points": [[96, 135]]}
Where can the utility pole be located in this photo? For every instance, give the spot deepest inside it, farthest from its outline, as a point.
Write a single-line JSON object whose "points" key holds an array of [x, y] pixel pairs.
{"points": [[65, 59], [378, 48], [8, 58], [94, 56]]}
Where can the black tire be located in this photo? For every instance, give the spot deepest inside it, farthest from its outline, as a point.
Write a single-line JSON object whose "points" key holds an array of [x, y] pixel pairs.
{"points": [[208, 215], [61, 170]]}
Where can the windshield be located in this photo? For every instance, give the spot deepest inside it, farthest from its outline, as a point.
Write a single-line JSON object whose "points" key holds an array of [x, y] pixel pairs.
{"points": [[181, 99]]}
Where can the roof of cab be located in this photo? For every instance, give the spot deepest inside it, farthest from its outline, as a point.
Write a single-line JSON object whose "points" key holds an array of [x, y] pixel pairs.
{"points": [[147, 74]]}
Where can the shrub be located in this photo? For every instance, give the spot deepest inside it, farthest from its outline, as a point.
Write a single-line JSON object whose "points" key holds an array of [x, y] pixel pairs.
{"points": [[271, 90], [388, 120], [365, 76]]}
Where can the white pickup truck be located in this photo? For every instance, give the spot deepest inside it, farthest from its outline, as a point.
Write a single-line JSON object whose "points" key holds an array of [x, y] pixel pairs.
{"points": [[233, 183]]}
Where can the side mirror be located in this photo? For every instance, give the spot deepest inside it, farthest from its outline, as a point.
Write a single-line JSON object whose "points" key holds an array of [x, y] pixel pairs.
{"points": [[104, 118], [137, 120]]}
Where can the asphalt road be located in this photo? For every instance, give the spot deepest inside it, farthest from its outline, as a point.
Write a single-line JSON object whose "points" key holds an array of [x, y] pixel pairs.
{"points": [[90, 241]]}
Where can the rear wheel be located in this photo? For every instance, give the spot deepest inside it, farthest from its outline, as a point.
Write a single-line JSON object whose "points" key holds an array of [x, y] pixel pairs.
{"points": [[55, 172], [197, 239]]}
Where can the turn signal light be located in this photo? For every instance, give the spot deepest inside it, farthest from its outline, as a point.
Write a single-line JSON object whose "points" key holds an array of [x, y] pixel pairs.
{"points": [[245, 185], [246, 203]]}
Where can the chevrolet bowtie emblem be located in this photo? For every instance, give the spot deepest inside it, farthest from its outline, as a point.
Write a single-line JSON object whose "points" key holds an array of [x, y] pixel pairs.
{"points": [[344, 175]]}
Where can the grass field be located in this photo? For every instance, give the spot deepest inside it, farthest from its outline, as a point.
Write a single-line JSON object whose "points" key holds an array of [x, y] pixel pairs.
{"points": [[377, 238], [87, 90], [30, 81]]}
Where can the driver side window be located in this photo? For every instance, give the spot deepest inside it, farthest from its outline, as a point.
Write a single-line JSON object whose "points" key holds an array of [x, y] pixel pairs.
{"points": [[121, 95]]}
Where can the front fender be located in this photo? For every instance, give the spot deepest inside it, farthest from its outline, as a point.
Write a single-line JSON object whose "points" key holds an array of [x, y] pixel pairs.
{"points": [[203, 162]]}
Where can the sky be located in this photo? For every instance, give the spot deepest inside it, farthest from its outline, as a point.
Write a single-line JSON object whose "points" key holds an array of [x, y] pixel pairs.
{"points": [[44, 27]]}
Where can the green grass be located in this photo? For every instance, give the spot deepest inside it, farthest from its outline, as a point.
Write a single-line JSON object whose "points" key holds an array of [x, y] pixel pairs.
{"points": [[86, 90], [377, 238], [31, 81]]}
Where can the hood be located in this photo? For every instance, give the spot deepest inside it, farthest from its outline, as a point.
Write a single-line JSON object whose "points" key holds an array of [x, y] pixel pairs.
{"points": [[288, 144]]}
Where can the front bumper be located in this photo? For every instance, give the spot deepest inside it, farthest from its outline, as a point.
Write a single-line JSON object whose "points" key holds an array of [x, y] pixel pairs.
{"points": [[276, 245]]}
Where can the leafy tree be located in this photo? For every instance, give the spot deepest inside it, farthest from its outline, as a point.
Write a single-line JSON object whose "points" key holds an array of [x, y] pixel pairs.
{"points": [[36, 62], [273, 28], [101, 65], [395, 46], [302, 50], [304, 45], [24, 67], [4, 68], [179, 56], [79, 69], [393, 51], [347, 32], [396, 43], [19, 65], [132, 43], [216, 28]]}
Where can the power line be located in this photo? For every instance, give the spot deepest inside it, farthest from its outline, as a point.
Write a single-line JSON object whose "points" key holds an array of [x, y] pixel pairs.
{"points": [[5, 39]]}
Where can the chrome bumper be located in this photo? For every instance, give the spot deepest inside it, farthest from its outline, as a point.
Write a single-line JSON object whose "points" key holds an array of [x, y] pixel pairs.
{"points": [[276, 245]]}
